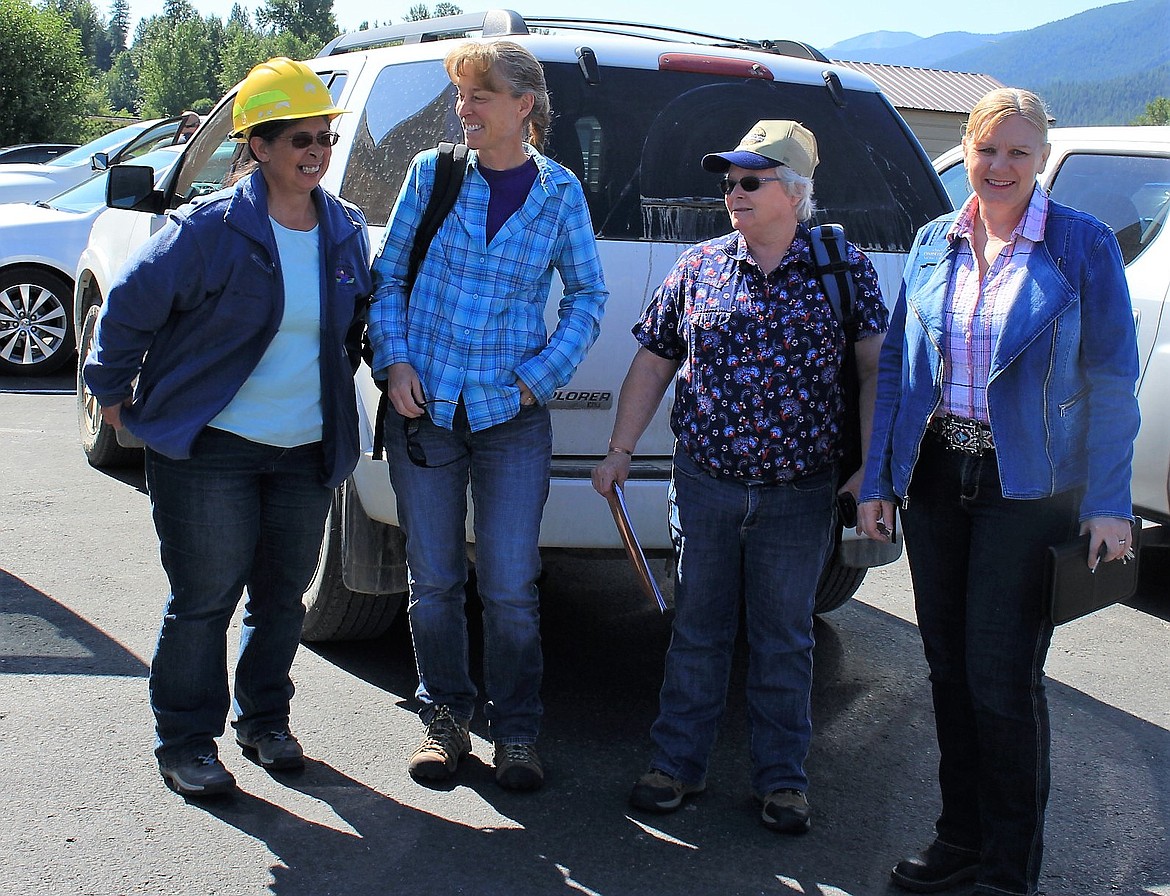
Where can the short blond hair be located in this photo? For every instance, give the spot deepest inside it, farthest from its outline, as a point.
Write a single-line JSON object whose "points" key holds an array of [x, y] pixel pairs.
{"points": [[507, 67], [1001, 103]]}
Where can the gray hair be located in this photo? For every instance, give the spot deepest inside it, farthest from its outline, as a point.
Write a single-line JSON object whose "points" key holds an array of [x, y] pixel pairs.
{"points": [[798, 187]]}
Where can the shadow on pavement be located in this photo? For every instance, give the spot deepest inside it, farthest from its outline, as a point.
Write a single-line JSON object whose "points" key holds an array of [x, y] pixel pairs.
{"points": [[38, 636], [872, 768]]}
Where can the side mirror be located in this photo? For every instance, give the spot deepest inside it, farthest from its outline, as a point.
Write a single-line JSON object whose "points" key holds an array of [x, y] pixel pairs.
{"points": [[99, 161], [131, 187]]}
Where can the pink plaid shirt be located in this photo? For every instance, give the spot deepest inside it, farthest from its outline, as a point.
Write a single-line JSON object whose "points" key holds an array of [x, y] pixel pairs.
{"points": [[975, 311]]}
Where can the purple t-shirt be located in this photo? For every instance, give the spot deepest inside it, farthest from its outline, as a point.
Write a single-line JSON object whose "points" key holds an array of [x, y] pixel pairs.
{"points": [[509, 189]]}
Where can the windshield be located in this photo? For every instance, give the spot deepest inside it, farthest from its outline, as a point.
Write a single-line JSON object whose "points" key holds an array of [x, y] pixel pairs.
{"points": [[105, 143], [90, 194]]}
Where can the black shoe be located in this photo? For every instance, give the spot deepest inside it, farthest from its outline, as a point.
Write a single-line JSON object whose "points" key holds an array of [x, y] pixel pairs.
{"points": [[277, 750], [202, 775], [938, 867], [786, 811], [656, 791]]}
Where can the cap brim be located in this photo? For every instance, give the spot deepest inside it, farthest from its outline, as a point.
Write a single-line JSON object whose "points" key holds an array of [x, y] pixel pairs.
{"points": [[719, 162]]}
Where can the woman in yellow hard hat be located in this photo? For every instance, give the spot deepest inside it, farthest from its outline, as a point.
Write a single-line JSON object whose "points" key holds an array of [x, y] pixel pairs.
{"points": [[228, 346]]}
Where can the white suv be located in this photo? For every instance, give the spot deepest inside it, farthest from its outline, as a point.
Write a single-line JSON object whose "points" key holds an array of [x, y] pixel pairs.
{"points": [[1122, 176], [635, 108]]}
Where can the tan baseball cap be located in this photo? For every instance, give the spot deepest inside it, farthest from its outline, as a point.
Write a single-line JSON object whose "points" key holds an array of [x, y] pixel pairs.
{"points": [[768, 144]]}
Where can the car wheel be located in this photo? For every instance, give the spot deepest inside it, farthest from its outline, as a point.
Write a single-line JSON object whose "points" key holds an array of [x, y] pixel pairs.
{"points": [[334, 612], [36, 321], [99, 440]]}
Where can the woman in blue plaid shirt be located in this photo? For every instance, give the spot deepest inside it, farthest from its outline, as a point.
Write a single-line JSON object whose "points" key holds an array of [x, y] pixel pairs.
{"points": [[469, 367]]}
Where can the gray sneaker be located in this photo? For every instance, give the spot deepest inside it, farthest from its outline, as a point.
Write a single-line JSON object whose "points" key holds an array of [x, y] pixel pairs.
{"points": [[202, 775], [518, 767], [277, 750], [446, 741], [656, 791]]}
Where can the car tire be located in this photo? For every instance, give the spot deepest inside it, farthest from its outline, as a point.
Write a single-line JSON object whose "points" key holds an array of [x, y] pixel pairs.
{"points": [[99, 440], [36, 321], [334, 612]]}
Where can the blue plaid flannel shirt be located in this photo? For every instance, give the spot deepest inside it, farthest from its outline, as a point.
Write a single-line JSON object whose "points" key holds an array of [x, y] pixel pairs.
{"points": [[475, 321]]}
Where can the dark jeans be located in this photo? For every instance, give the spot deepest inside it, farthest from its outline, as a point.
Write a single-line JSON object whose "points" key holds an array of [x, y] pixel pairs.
{"points": [[977, 564], [236, 514], [764, 546]]}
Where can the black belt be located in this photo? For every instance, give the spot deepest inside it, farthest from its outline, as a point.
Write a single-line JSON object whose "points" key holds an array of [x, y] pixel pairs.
{"points": [[962, 434]]}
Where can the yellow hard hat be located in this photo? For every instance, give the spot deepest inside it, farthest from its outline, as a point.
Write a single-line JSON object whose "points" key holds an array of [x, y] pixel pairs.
{"points": [[280, 89]]}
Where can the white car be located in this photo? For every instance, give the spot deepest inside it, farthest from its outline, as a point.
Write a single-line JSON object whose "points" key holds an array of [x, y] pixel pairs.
{"points": [[635, 112], [32, 183], [1121, 175], [39, 247]]}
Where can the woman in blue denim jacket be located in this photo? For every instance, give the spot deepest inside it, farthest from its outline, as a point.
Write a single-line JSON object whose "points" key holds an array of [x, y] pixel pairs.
{"points": [[228, 345], [1004, 423]]}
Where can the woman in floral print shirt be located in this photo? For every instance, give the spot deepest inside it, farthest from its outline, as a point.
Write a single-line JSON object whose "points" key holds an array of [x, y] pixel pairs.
{"points": [[744, 330]]}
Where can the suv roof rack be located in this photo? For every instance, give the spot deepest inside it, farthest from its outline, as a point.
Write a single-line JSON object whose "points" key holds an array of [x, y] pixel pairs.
{"points": [[503, 22]]}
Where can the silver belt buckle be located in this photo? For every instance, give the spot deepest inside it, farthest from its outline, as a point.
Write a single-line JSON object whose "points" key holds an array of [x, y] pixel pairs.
{"points": [[964, 434]]}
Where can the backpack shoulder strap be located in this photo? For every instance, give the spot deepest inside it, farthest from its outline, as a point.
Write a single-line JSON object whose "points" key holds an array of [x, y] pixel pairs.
{"points": [[831, 261], [450, 167]]}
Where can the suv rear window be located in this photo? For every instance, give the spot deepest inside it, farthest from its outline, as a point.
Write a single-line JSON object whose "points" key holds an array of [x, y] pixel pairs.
{"points": [[635, 140]]}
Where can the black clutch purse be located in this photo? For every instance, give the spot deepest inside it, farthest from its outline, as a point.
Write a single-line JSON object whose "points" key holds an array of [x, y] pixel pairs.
{"points": [[1073, 590]]}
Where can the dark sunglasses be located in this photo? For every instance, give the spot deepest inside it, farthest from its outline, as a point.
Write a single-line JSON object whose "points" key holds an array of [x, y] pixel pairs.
{"points": [[414, 448], [303, 139], [750, 184]]}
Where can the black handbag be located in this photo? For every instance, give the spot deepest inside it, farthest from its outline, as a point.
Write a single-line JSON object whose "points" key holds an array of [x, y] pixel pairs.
{"points": [[1072, 590]]}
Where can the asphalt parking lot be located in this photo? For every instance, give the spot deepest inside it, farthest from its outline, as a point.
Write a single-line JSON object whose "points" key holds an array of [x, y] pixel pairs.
{"points": [[86, 813]]}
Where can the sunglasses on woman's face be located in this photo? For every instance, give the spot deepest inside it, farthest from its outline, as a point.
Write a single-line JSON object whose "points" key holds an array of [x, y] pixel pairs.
{"points": [[303, 139], [750, 184]]}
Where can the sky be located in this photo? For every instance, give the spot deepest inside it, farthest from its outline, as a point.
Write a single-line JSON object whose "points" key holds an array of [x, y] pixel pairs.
{"points": [[816, 23]]}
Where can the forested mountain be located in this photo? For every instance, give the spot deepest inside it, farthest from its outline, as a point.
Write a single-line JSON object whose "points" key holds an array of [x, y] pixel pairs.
{"points": [[1102, 66]]}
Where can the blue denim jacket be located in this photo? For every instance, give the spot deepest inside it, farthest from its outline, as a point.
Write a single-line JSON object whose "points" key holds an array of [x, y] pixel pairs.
{"points": [[192, 312], [1061, 391]]}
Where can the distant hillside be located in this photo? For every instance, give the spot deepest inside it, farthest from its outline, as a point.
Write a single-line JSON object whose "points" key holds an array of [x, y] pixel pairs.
{"points": [[1102, 66], [920, 52]]}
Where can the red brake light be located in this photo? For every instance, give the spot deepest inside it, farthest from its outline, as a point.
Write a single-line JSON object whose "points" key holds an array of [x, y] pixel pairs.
{"points": [[713, 65]]}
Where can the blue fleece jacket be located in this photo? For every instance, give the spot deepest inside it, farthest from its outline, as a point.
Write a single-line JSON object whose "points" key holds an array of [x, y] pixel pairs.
{"points": [[192, 312]]}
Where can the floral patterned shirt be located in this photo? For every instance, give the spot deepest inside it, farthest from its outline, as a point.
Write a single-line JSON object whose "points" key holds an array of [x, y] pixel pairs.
{"points": [[756, 394]]}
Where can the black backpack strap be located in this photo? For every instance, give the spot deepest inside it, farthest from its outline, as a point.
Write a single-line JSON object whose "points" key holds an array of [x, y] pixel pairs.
{"points": [[831, 260], [450, 168]]}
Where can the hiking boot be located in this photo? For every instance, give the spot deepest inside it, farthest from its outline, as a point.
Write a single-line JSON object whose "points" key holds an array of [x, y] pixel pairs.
{"points": [[656, 791], [518, 767], [277, 750], [786, 811], [446, 741], [202, 775]]}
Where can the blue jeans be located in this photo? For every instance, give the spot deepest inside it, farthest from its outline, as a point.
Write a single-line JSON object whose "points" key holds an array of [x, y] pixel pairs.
{"points": [[508, 468], [235, 515], [764, 545], [977, 564]]}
